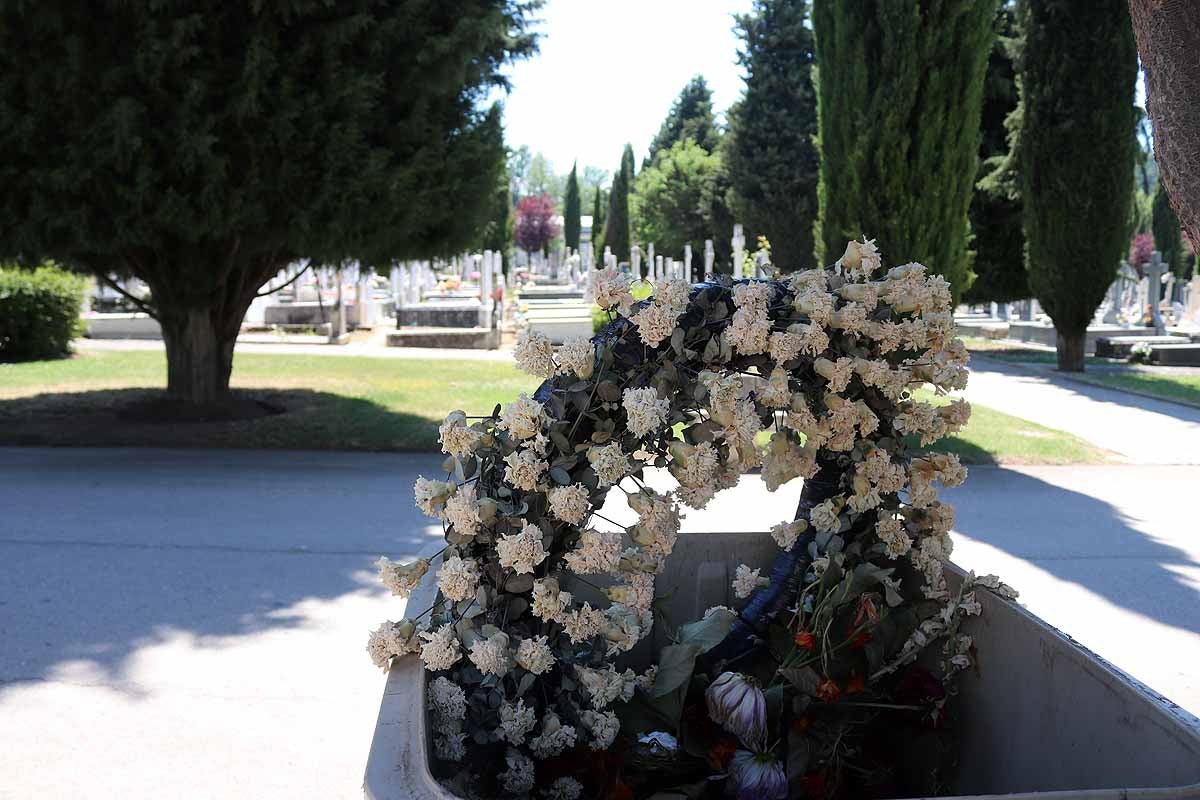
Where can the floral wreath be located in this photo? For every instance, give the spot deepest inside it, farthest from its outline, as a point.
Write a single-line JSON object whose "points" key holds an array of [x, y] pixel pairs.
{"points": [[537, 608]]}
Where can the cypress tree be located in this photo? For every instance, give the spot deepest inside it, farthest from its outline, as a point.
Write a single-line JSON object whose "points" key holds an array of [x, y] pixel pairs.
{"points": [[1078, 70], [898, 108], [571, 211], [616, 222], [598, 225], [496, 233], [690, 117], [770, 156], [996, 209], [1168, 238]]}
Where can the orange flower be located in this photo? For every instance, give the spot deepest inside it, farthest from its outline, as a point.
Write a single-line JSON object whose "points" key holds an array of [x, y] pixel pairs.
{"points": [[856, 684], [801, 724], [866, 610], [806, 640], [828, 691]]}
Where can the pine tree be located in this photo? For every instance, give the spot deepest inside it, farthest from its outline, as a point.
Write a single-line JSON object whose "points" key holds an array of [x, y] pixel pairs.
{"points": [[616, 221], [1168, 238], [675, 200], [996, 210], [204, 146], [571, 211], [690, 117], [496, 233], [1078, 145], [769, 152], [898, 102]]}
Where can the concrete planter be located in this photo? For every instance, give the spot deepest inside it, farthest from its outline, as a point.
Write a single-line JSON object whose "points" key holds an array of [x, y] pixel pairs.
{"points": [[1041, 718]]}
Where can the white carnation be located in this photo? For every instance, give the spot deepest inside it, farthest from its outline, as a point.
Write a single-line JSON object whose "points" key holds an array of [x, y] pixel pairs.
{"points": [[516, 721], [441, 649], [402, 578], [458, 578], [746, 581], [490, 655], [577, 356], [609, 463], [603, 726], [523, 551], [523, 418], [535, 354], [569, 503], [644, 411], [534, 655]]}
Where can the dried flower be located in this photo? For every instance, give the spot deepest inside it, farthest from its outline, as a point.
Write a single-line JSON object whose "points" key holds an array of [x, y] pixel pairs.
{"points": [[522, 552], [431, 496], [535, 354], [534, 655], [402, 578], [569, 503], [757, 776], [458, 578], [523, 418], [456, 437], [644, 411], [441, 649], [738, 705], [746, 581]]}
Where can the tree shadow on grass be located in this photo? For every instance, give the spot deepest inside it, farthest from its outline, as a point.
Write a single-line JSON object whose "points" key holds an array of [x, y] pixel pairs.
{"points": [[310, 420]]}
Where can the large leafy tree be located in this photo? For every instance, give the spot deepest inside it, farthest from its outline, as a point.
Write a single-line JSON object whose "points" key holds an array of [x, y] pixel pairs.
{"points": [[571, 211], [616, 221], [202, 145], [996, 210], [691, 117], [1078, 69], [898, 98], [769, 151], [675, 199]]}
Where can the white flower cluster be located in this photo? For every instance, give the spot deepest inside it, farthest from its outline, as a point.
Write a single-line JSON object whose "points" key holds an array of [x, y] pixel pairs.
{"points": [[826, 361]]}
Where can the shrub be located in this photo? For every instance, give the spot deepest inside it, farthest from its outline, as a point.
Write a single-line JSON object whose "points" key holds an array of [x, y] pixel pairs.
{"points": [[39, 312]]}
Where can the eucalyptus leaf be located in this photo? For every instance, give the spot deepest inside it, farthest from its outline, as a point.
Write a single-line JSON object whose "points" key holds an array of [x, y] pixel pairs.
{"points": [[675, 665], [804, 679], [518, 584], [560, 476], [707, 633], [526, 683]]}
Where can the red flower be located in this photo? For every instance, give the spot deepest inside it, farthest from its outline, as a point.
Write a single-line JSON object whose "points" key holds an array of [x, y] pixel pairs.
{"points": [[722, 752], [801, 724], [860, 640], [815, 785], [806, 640], [856, 684], [828, 691], [866, 610], [620, 791]]}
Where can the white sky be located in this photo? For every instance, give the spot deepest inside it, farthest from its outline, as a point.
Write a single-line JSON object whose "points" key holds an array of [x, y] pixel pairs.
{"points": [[609, 70]]}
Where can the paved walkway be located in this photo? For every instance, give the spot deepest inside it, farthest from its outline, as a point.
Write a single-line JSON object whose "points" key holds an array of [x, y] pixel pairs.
{"points": [[190, 624], [1139, 429]]}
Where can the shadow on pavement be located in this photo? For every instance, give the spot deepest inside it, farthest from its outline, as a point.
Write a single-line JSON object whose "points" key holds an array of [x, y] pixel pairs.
{"points": [[103, 552], [1079, 538]]}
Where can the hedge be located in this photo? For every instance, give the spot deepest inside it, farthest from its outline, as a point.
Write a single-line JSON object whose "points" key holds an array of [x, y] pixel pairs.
{"points": [[39, 312]]}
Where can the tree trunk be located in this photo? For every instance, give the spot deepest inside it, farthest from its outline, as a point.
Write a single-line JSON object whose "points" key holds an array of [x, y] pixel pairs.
{"points": [[199, 358], [1168, 39], [1070, 351]]}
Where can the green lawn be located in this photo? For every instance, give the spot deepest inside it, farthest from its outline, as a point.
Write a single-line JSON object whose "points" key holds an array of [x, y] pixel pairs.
{"points": [[1180, 386], [353, 403], [332, 402]]}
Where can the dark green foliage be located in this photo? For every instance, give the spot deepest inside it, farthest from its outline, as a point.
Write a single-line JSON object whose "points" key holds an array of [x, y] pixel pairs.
{"points": [[674, 201], [770, 155], [996, 210], [571, 211], [496, 233], [598, 206], [1078, 146], [616, 221], [202, 145], [691, 117], [1168, 236], [899, 98], [39, 312]]}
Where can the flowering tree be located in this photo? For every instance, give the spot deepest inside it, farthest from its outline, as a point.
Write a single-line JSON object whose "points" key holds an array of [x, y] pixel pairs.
{"points": [[536, 605], [535, 225]]}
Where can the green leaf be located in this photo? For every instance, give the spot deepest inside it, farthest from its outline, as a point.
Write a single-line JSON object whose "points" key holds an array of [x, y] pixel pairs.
{"points": [[804, 679], [526, 683], [707, 633], [675, 665]]}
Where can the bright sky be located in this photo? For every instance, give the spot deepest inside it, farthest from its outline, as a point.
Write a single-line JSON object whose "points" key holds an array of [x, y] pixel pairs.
{"points": [[608, 72]]}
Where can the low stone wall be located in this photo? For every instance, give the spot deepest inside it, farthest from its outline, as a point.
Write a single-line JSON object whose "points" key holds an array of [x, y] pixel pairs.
{"points": [[439, 315], [1044, 333], [455, 338]]}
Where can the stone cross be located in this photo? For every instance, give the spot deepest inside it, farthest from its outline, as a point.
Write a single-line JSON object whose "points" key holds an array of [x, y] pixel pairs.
{"points": [[651, 264], [1154, 274], [709, 257], [659, 274], [687, 263], [635, 262], [739, 244]]}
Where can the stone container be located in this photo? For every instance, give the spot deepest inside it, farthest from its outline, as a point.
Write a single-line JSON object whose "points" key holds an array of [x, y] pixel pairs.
{"points": [[1042, 718]]}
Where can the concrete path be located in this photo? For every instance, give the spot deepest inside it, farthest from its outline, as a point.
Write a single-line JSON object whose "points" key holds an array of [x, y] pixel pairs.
{"points": [[191, 624], [1139, 429]]}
